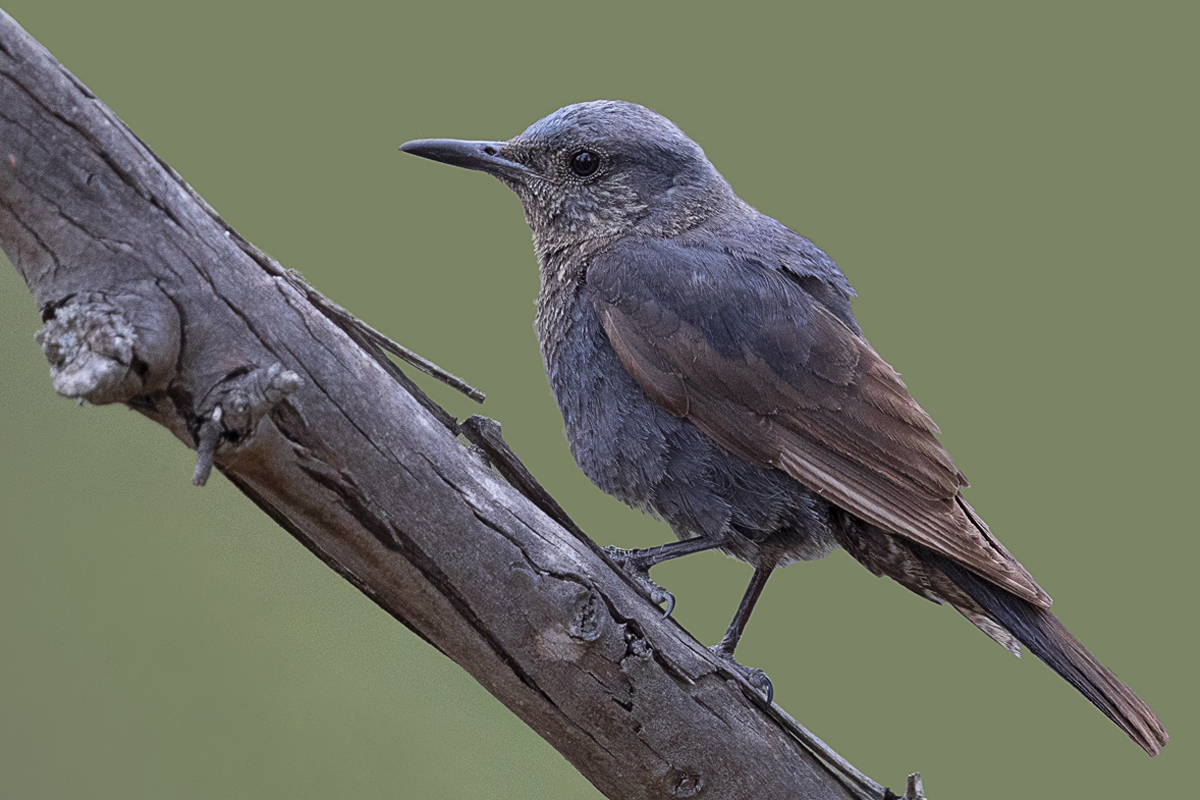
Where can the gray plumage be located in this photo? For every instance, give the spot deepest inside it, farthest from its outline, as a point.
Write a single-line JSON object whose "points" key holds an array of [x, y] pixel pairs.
{"points": [[710, 370]]}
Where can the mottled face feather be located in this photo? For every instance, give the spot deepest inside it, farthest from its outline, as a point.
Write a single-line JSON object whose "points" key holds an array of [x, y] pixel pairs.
{"points": [[650, 175]]}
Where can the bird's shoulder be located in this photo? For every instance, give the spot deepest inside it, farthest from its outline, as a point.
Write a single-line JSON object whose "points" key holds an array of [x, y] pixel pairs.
{"points": [[746, 300], [741, 250]]}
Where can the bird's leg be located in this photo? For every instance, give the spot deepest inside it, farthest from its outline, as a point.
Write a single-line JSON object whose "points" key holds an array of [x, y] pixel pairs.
{"points": [[646, 558], [724, 649], [637, 563]]}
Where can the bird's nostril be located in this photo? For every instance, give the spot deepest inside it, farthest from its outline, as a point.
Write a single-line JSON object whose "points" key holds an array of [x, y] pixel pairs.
{"points": [[491, 151]]}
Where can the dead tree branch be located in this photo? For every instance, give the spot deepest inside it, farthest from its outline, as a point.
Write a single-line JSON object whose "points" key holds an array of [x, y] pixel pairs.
{"points": [[150, 299]]}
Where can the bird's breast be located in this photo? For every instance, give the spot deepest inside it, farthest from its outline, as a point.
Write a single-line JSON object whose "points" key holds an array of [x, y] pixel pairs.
{"points": [[612, 430]]}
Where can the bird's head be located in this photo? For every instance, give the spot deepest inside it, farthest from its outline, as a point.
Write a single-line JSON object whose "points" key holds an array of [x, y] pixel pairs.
{"points": [[595, 171]]}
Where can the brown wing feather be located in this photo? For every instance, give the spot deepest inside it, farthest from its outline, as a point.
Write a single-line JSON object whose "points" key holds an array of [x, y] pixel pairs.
{"points": [[849, 431]]}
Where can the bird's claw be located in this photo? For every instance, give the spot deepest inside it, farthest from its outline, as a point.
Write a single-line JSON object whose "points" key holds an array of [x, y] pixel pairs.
{"points": [[629, 562], [670, 600], [757, 679]]}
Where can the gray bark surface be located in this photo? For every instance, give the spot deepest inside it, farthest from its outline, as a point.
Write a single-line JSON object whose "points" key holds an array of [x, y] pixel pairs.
{"points": [[150, 299]]}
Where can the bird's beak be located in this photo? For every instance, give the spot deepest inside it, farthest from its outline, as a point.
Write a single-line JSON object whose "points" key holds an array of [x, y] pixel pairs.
{"points": [[483, 156]]}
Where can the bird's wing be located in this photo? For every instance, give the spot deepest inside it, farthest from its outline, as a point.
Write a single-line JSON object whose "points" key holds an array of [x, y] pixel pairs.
{"points": [[772, 375]]}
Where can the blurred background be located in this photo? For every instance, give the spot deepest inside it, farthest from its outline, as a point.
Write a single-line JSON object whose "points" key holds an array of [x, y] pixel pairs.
{"points": [[1012, 190]]}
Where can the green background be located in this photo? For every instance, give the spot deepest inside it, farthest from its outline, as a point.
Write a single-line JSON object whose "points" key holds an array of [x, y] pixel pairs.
{"points": [[1012, 190]]}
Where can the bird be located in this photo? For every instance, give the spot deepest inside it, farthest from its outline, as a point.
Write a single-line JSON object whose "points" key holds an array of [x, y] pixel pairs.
{"points": [[710, 371]]}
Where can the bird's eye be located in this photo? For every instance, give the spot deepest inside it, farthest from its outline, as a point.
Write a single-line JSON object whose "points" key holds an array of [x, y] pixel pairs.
{"points": [[584, 163]]}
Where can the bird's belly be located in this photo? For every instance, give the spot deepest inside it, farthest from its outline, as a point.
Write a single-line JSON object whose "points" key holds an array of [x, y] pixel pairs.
{"points": [[634, 450]]}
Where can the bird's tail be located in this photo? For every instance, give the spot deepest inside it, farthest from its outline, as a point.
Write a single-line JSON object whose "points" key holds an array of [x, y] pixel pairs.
{"points": [[1049, 640]]}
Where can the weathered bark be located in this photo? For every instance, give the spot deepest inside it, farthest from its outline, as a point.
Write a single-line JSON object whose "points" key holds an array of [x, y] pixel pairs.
{"points": [[150, 299]]}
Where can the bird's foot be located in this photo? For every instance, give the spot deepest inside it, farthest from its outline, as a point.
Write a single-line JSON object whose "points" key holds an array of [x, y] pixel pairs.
{"points": [[753, 676], [638, 569]]}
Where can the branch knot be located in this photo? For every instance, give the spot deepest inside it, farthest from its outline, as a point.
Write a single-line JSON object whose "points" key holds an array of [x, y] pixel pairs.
{"points": [[233, 408], [90, 346]]}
